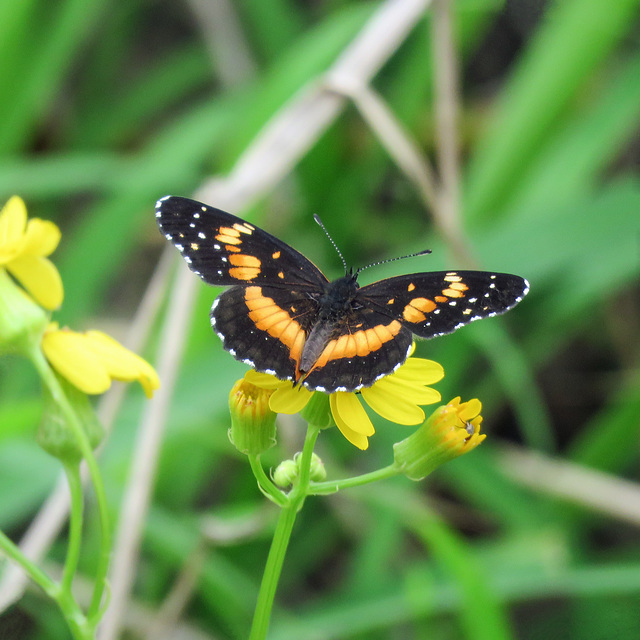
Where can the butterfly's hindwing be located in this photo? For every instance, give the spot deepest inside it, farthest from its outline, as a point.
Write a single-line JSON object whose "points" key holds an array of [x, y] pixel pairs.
{"points": [[365, 346], [265, 327], [226, 250], [436, 303]]}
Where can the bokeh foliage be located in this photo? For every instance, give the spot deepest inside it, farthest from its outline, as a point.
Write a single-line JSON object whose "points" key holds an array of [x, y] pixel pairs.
{"points": [[106, 106]]}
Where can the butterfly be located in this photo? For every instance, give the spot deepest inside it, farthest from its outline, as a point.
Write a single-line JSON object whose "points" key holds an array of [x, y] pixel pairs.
{"points": [[282, 316]]}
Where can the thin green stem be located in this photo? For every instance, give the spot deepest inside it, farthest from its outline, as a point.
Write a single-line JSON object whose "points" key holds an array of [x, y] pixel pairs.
{"points": [[272, 571], [265, 484], [301, 489], [36, 574], [281, 537], [333, 486], [100, 584], [73, 615], [72, 470]]}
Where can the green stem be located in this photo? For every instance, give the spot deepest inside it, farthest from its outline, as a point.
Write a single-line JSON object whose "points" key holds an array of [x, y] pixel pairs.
{"points": [[333, 486], [280, 542], [36, 574], [73, 615], [301, 489], [272, 572], [72, 470], [264, 483], [48, 377]]}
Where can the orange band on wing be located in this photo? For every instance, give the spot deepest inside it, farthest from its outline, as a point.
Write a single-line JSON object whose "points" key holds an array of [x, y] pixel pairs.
{"points": [[359, 343], [415, 311], [244, 273], [268, 316]]}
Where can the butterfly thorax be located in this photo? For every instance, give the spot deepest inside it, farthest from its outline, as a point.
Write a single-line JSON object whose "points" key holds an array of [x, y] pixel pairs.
{"points": [[338, 296], [334, 304]]}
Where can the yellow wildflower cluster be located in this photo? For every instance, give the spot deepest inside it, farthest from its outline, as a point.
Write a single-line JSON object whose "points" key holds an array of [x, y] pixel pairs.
{"points": [[91, 360]]}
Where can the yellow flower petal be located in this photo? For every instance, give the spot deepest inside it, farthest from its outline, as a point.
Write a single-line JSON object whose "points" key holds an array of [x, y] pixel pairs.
{"points": [[90, 361], [351, 419], [40, 278], [349, 409], [121, 363], [13, 220], [469, 410], [289, 399], [264, 380], [355, 438], [391, 406], [420, 370], [410, 391], [71, 357], [41, 237]]}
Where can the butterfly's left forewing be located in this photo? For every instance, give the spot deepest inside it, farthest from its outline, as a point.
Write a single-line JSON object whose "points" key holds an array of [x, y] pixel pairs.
{"points": [[439, 302], [271, 305], [226, 250]]}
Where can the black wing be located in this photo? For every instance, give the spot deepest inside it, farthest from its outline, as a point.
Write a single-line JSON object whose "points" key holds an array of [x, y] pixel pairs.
{"points": [[265, 327], [364, 346], [433, 304], [225, 250]]}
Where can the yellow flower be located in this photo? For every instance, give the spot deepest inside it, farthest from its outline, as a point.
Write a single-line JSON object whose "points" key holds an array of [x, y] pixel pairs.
{"points": [[450, 431], [395, 397], [91, 360], [24, 247]]}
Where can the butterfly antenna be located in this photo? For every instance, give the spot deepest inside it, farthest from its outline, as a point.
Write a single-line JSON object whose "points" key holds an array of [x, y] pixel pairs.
{"points": [[411, 255], [316, 217]]}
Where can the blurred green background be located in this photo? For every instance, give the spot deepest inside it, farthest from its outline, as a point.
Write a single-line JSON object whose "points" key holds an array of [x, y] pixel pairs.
{"points": [[106, 106]]}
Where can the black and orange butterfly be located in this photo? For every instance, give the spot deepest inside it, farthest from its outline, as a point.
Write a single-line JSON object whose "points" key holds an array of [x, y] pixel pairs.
{"points": [[282, 316]]}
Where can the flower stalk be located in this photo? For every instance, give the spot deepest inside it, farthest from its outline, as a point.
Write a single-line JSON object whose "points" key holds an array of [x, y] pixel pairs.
{"points": [[55, 389], [294, 502]]}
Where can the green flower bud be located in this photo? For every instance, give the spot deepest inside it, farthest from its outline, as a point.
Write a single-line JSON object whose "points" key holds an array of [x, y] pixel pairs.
{"points": [[317, 470], [450, 431], [253, 424], [55, 435], [286, 473]]}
